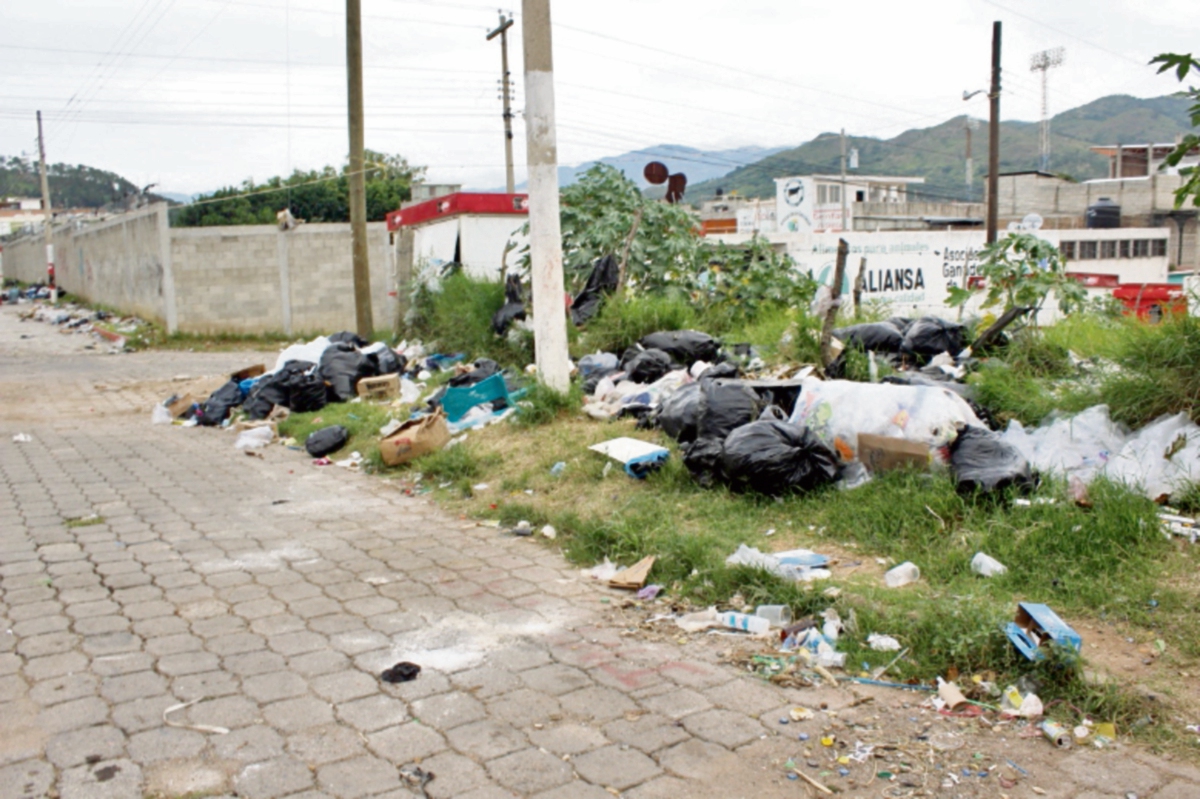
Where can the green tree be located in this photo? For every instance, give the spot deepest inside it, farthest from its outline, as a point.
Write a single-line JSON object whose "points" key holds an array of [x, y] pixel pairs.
{"points": [[1020, 270], [1182, 64]]}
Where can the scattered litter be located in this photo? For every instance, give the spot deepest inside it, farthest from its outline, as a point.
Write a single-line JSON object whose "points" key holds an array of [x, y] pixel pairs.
{"points": [[1057, 734], [548, 531], [745, 622], [796, 564], [602, 571], [649, 592], [22, 438], [326, 440], [354, 462], [401, 672], [883, 643], [197, 727], [1036, 625], [1184, 526], [776, 615], [986, 565], [901, 575], [416, 777], [557, 469], [160, 415], [254, 438], [480, 487], [635, 576], [638, 457], [414, 438], [698, 621], [523, 528]]}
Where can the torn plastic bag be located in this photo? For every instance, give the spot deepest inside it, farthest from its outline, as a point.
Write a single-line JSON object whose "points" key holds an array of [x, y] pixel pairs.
{"points": [[680, 413], [930, 336], [604, 362], [872, 336], [592, 382], [342, 366], [346, 337], [216, 408], [648, 366], [727, 370], [601, 282], [983, 461], [296, 386], [1070, 446], [773, 457], [920, 379], [513, 308], [725, 405], [326, 440], [1163, 458], [484, 368], [387, 361], [684, 346]]}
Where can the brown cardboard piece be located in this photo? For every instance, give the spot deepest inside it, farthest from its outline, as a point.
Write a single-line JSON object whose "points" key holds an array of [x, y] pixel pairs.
{"points": [[414, 439], [635, 576], [249, 372], [180, 406], [382, 387], [883, 453]]}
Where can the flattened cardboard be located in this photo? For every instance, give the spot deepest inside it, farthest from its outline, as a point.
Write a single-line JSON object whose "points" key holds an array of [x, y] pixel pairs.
{"points": [[634, 577], [249, 372], [180, 406], [1036, 625], [414, 439], [382, 387], [884, 453]]}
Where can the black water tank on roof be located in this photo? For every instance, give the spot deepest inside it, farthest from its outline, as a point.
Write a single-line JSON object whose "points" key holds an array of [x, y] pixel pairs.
{"points": [[1104, 213]]}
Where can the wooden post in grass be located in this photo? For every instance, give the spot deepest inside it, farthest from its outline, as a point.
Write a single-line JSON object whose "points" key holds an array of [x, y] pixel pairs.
{"points": [[835, 296], [637, 220], [859, 283]]}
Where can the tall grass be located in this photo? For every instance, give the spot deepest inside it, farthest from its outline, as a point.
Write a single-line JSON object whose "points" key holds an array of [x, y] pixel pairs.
{"points": [[458, 318], [624, 319], [1160, 371]]}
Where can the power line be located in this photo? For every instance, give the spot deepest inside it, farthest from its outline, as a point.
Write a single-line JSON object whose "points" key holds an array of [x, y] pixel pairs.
{"points": [[1064, 33]]}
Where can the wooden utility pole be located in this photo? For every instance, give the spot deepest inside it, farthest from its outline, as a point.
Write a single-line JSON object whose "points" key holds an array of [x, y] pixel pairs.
{"points": [[993, 208], [843, 225], [835, 301], [364, 323], [502, 32], [48, 224], [545, 231]]}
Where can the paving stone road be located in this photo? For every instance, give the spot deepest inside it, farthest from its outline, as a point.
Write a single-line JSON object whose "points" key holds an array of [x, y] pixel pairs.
{"points": [[272, 594]]}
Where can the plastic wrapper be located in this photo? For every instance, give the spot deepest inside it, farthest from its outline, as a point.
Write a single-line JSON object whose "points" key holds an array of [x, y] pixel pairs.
{"points": [[605, 275], [1070, 446], [160, 415], [684, 346], [326, 440], [774, 457], [346, 337], [597, 362], [482, 370], [983, 461], [514, 305], [1161, 459], [836, 411], [872, 336], [930, 336], [310, 352], [254, 438]]}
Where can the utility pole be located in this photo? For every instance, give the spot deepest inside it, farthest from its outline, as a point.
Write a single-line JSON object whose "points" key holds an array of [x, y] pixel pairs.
{"points": [[48, 224], [993, 209], [502, 32], [843, 225], [358, 182], [967, 126], [545, 231], [1043, 62]]}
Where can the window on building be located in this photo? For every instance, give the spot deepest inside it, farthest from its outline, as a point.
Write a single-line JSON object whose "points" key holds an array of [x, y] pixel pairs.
{"points": [[822, 194], [835, 194], [1067, 248], [1087, 250], [860, 196], [1158, 247], [1141, 248], [1108, 249], [1124, 248]]}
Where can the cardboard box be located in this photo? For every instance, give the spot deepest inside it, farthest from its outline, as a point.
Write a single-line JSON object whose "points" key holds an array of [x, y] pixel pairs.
{"points": [[383, 387], [249, 372], [1036, 626], [414, 439], [883, 453], [180, 406]]}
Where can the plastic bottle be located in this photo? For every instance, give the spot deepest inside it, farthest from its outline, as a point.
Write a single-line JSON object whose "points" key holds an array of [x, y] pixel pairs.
{"points": [[755, 625], [907, 572]]}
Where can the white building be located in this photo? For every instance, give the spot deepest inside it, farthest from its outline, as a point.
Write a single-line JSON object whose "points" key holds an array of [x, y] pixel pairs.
{"points": [[815, 203]]}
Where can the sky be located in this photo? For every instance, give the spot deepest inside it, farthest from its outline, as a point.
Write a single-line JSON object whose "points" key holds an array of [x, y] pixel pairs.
{"points": [[194, 95]]}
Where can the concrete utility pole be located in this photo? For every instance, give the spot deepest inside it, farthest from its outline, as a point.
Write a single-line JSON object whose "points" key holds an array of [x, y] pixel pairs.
{"points": [[47, 225], [358, 182], [502, 32], [967, 126], [993, 209], [545, 232]]}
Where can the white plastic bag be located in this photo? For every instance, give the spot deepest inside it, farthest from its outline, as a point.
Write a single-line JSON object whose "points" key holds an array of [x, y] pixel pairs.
{"points": [[1161, 458], [1079, 445], [255, 438], [160, 415]]}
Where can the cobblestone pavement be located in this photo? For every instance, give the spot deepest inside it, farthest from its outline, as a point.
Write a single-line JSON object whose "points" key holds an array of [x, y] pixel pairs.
{"points": [[271, 594]]}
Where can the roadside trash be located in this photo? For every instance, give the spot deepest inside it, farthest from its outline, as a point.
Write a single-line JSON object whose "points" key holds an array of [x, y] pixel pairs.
{"points": [[602, 281], [1081, 732], [775, 457], [296, 385], [401, 672], [602, 571], [1180, 525], [354, 462], [929, 337], [649, 592], [983, 461], [523, 528], [549, 532], [392, 426], [1015, 703], [342, 366], [801, 714], [986, 565], [638, 457], [833, 627], [684, 346], [680, 413], [633, 577], [1056, 733], [326, 440], [901, 575], [254, 438], [557, 469], [1036, 625], [950, 694], [745, 622], [776, 615], [645, 366], [797, 564], [322, 462], [883, 643], [414, 438], [379, 388], [884, 453], [1162, 458], [513, 308], [216, 408], [160, 415], [884, 337], [699, 621], [601, 363], [22, 438], [197, 727]]}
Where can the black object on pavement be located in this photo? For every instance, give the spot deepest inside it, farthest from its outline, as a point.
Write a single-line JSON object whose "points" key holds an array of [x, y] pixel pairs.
{"points": [[401, 672], [216, 408], [326, 440]]}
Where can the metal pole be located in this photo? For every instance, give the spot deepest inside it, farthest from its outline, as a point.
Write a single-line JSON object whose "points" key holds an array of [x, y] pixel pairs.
{"points": [[993, 209], [48, 224], [358, 186], [502, 31], [545, 232]]}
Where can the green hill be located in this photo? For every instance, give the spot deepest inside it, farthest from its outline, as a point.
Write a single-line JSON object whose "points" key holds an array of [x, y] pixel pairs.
{"points": [[70, 186], [938, 153]]}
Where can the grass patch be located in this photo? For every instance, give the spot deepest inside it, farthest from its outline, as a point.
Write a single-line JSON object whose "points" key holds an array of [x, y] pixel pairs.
{"points": [[543, 405], [458, 318], [84, 521], [1160, 373], [362, 421], [624, 319]]}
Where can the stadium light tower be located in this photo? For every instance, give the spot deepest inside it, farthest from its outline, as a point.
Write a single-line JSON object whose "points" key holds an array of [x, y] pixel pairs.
{"points": [[1043, 62]]}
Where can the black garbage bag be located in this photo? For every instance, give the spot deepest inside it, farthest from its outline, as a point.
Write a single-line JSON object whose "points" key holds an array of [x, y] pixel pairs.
{"points": [[484, 368], [346, 337], [727, 369], [387, 361], [342, 366], [647, 366], [981, 460], [930, 336], [872, 336], [593, 380], [216, 408], [513, 307], [326, 440], [680, 413], [307, 392], [296, 386], [684, 346], [726, 405], [606, 272], [702, 458], [774, 457]]}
